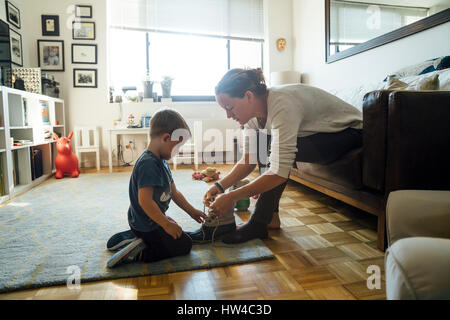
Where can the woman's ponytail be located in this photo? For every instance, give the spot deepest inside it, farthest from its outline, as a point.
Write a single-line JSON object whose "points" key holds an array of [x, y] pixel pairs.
{"points": [[236, 82]]}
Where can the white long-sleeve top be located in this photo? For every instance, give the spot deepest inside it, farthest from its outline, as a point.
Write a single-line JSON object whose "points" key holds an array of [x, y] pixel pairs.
{"points": [[298, 111]]}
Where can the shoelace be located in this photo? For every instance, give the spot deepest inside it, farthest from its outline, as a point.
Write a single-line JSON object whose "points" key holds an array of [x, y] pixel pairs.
{"points": [[212, 217]]}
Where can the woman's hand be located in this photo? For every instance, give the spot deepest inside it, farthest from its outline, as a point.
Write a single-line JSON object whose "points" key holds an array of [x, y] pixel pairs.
{"points": [[210, 195], [172, 228], [198, 216], [223, 204]]}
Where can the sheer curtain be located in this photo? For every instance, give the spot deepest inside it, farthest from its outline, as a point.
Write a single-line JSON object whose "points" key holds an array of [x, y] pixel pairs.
{"points": [[229, 18], [188, 40]]}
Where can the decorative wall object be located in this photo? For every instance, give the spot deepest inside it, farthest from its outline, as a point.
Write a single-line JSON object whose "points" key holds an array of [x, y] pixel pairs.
{"points": [[16, 48], [51, 55], [83, 30], [281, 44], [31, 77], [50, 25], [82, 11], [84, 53], [12, 14], [85, 78]]}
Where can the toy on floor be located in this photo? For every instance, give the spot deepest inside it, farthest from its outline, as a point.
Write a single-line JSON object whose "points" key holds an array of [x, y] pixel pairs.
{"points": [[66, 161], [242, 204], [207, 175]]}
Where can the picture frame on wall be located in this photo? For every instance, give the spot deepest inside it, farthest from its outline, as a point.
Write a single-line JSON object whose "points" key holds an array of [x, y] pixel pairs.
{"points": [[50, 25], [85, 78], [83, 30], [51, 55], [12, 14], [16, 48], [5, 43], [84, 53], [83, 11]]}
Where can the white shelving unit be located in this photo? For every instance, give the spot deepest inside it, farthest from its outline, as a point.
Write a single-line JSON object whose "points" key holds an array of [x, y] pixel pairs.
{"points": [[22, 117]]}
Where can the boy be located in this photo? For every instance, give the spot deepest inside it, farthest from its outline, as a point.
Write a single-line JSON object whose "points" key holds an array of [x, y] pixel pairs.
{"points": [[153, 236]]}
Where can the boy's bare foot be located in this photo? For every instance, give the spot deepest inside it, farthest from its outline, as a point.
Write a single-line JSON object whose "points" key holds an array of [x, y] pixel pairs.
{"points": [[275, 222]]}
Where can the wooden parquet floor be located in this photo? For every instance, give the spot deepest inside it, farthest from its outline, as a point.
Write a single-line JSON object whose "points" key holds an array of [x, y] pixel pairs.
{"points": [[322, 251]]}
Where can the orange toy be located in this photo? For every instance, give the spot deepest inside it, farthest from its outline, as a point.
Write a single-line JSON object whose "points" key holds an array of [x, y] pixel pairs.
{"points": [[66, 161]]}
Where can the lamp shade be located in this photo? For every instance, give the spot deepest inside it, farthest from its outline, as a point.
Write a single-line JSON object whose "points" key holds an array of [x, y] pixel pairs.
{"points": [[284, 77]]}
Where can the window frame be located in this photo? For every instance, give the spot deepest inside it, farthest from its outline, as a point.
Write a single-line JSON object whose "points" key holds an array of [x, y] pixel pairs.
{"points": [[194, 98]]}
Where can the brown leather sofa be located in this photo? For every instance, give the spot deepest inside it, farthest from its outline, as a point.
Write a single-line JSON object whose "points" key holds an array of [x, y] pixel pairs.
{"points": [[406, 145]]}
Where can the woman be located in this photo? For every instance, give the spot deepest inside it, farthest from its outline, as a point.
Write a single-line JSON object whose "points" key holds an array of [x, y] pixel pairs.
{"points": [[305, 124]]}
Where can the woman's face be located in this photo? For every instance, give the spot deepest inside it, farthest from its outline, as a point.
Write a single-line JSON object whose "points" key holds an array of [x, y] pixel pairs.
{"points": [[238, 109]]}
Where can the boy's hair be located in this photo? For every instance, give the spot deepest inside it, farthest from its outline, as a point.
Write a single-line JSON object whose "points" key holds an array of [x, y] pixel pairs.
{"points": [[167, 120]]}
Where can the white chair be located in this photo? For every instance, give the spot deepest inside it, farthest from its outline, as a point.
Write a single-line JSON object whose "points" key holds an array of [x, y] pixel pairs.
{"points": [[190, 150], [418, 258], [86, 140]]}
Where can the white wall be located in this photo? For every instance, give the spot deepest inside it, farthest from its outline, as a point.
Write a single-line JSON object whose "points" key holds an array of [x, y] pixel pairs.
{"points": [[88, 106], [370, 66], [85, 106], [278, 24]]}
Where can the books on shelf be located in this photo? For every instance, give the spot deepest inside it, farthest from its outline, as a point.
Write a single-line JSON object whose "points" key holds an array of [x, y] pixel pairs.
{"points": [[36, 163], [45, 112], [25, 112], [15, 158], [23, 142]]}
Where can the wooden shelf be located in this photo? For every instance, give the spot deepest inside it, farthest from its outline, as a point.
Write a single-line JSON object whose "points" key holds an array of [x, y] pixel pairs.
{"points": [[25, 127], [32, 144]]}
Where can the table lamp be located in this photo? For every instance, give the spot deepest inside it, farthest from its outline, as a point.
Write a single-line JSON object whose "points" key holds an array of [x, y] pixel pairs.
{"points": [[284, 77]]}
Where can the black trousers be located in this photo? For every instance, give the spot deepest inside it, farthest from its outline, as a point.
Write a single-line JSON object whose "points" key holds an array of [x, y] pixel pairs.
{"points": [[321, 148], [161, 245]]}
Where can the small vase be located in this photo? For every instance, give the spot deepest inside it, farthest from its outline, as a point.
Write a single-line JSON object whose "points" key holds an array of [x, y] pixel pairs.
{"points": [[166, 88], [148, 89]]}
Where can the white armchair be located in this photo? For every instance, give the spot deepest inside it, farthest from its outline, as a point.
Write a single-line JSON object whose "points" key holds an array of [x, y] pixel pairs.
{"points": [[418, 258]]}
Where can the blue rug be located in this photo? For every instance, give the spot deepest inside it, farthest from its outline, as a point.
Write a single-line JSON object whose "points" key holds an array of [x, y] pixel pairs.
{"points": [[64, 223]]}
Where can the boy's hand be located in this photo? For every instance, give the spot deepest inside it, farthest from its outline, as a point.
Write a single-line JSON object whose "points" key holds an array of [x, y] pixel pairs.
{"points": [[210, 195], [172, 228], [198, 216]]}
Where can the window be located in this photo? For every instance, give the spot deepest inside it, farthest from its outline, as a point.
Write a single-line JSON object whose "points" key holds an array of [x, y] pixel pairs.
{"points": [[352, 23], [196, 56]]}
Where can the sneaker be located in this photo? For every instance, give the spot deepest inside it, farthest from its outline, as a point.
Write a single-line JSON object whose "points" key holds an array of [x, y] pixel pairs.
{"points": [[120, 240], [127, 254], [211, 233]]}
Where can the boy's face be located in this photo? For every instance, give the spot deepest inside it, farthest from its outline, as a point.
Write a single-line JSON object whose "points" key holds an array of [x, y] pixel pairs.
{"points": [[169, 148]]}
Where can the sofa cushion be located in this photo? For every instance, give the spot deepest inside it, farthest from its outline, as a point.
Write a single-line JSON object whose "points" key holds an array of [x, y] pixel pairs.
{"points": [[424, 67], [417, 268], [418, 83], [346, 171], [444, 80]]}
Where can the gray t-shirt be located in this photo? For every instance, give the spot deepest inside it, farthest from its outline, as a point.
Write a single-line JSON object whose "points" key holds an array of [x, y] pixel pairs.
{"points": [[149, 170], [298, 111]]}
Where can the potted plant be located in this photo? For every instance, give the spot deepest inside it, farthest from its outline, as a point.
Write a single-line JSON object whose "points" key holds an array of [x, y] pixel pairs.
{"points": [[148, 87], [166, 86]]}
